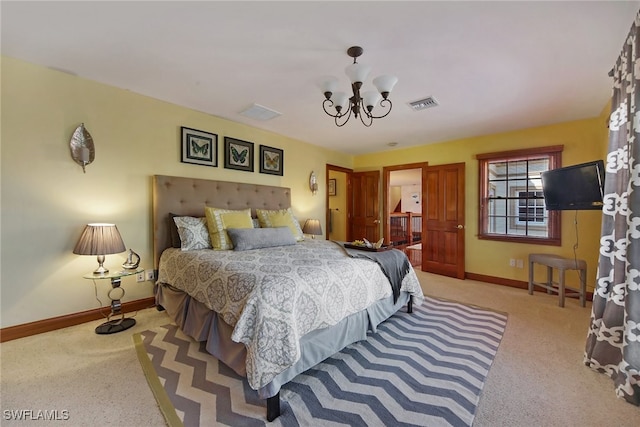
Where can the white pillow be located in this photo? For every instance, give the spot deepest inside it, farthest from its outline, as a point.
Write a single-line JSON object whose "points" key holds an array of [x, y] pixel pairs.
{"points": [[193, 232]]}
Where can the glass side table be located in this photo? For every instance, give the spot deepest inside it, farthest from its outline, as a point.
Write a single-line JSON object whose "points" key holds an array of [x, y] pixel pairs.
{"points": [[115, 294]]}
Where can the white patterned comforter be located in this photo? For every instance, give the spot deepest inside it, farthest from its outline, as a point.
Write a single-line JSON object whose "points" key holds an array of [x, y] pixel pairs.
{"points": [[274, 296]]}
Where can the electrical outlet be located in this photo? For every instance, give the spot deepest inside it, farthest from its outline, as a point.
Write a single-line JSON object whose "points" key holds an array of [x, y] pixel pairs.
{"points": [[150, 275], [520, 263], [140, 276], [512, 262]]}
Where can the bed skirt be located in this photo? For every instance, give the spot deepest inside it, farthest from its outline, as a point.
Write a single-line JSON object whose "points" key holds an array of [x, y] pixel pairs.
{"points": [[202, 324]]}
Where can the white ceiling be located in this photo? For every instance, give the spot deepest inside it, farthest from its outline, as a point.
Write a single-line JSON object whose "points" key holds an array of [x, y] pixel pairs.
{"points": [[492, 66]]}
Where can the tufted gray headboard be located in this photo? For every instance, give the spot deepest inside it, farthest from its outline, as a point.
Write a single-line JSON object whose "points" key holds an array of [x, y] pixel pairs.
{"points": [[189, 196]]}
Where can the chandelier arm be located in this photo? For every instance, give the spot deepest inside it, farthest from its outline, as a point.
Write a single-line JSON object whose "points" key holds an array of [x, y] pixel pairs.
{"points": [[348, 116], [382, 104], [364, 113], [324, 107]]}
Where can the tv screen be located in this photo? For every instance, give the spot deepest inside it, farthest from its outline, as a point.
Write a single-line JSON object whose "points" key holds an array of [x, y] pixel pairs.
{"points": [[577, 187]]}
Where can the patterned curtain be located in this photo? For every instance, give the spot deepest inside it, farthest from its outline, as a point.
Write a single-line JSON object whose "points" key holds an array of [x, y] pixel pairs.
{"points": [[613, 341]]}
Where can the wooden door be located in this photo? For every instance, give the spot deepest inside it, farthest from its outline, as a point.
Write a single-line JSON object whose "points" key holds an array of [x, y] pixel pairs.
{"points": [[443, 225], [365, 209]]}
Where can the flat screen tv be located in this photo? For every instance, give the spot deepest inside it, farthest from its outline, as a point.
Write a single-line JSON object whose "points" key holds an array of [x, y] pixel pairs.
{"points": [[577, 187]]}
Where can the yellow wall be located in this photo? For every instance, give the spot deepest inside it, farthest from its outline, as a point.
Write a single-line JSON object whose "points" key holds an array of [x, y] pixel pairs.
{"points": [[47, 200], [583, 141], [338, 205]]}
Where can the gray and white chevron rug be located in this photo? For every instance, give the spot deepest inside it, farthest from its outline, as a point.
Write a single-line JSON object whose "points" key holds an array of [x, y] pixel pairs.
{"points": [[426, 368]]}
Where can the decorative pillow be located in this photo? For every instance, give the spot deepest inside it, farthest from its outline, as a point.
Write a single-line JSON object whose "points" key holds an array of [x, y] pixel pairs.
{"points": [[256, 223], [256, 238], [280, 218], [218, 220], [193, 233]]}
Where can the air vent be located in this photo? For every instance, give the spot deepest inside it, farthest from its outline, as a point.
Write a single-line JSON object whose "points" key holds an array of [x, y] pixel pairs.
{"points": [[258, 112], [423, 104]]}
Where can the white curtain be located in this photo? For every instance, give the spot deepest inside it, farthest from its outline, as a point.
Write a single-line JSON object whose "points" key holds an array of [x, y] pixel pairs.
{"points": [[613, 340]]}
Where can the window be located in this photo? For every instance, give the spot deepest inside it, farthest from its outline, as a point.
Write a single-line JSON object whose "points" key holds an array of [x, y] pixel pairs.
{"points": [[511, 200], [531, 207]]}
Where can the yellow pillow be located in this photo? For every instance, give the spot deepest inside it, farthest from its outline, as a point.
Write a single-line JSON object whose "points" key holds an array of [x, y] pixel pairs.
{"points": [[218, 220], [280, 218]]}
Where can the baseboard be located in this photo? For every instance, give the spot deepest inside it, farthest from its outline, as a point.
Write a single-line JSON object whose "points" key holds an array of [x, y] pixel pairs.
{"points": [[497, 280], [46, 325], [508, 282]]}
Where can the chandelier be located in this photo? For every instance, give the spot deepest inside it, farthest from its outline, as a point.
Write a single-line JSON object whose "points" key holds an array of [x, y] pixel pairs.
{"points": [[360, 105]]}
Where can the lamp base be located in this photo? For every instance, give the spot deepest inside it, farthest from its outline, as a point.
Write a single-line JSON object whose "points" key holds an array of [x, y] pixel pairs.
{"points": [[113, 326], [101, 268]]}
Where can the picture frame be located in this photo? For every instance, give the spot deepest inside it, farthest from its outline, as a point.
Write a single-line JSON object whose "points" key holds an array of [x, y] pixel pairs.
{"points": [[331, 189], [271, 160], [238, 154], [198, 147]]}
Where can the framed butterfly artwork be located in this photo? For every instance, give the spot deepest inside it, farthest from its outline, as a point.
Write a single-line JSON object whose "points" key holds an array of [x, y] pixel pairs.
{"points": [[271, 160], [238, 154], [199, 147]]}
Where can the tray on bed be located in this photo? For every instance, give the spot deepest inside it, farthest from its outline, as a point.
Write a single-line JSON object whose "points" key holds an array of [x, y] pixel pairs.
{"points": [[364, 248]]}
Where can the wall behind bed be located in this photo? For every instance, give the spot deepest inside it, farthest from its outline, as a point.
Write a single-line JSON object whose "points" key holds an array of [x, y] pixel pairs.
{"points": [[47, 200]]}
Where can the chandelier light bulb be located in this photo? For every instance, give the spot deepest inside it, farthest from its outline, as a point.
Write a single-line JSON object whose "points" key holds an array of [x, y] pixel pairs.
{"points": [[340, 100], [385, 84], [357, 73], [328, 86], [370, 99]]}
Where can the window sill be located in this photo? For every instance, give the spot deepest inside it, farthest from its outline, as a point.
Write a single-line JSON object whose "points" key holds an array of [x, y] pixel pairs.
{"points": [[523, 239]]}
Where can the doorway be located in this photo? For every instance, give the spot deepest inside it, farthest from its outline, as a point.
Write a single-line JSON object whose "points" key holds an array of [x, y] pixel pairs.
{"points": [[403, 203], [439, 243]]}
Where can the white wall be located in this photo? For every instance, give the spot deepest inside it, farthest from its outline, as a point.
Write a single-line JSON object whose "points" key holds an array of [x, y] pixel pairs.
{"points": [[412, 198], [46, 199]]}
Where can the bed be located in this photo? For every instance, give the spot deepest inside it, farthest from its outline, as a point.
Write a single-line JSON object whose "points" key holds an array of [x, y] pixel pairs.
{"points": [[268, 313]]}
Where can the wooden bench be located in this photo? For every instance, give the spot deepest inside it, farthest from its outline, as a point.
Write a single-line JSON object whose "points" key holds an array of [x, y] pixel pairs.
{"points": [[561, 264]]}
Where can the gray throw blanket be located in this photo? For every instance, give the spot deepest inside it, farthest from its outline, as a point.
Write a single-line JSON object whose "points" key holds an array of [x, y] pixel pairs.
{"points": [[393, 262]]}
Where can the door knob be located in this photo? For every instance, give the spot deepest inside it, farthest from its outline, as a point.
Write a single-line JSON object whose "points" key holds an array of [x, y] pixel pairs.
{"points": [[460, 226], [377, 221]]}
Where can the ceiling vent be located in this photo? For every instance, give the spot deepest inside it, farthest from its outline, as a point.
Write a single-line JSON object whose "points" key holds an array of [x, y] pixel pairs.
{"points": [[423, 104], [258, 112]]}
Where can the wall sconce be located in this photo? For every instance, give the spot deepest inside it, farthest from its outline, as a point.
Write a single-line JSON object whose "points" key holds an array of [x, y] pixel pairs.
{"points": [[313, 183], [81, 145]]}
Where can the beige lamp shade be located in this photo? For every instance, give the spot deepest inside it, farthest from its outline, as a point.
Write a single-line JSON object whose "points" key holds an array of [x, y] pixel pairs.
{"points": [[99, 239], [313, 227]]}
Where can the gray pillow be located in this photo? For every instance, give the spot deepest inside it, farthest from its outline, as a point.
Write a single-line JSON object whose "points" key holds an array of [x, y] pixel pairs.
{"points": [[257, 238]]}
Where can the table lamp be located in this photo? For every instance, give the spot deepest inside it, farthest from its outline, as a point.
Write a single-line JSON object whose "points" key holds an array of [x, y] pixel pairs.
{"points": [[100, 239], [313, 227]]}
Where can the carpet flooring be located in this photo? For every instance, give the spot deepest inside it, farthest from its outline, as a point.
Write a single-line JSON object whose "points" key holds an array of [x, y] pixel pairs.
{"points": [[426, 368]]}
